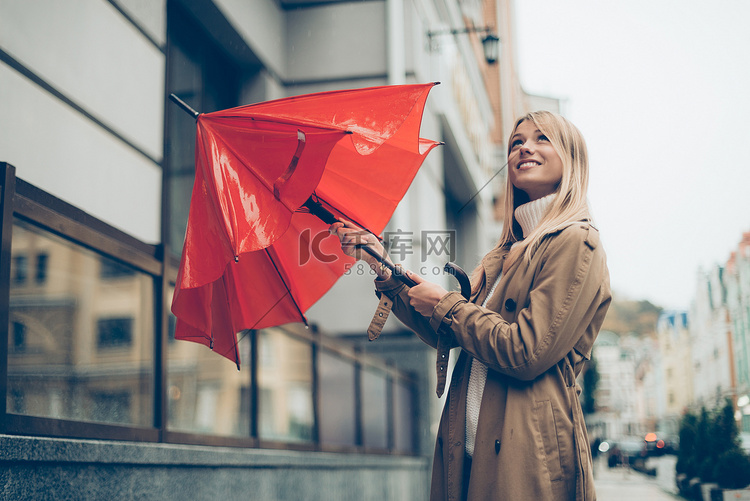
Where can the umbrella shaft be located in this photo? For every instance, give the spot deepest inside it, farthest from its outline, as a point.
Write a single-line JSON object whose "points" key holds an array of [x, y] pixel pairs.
{"points": [[317, 210], [397, 272]]}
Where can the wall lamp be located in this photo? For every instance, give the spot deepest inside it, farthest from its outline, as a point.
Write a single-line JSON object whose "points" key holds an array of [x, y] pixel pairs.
{"points": [[490, 41]]}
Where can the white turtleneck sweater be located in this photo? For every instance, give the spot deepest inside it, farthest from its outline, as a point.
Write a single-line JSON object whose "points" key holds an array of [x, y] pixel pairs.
{"points": [[528, 216]]}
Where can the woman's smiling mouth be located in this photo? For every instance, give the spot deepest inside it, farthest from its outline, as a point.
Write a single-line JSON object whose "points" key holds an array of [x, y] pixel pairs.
{"points": [[527, 164]]}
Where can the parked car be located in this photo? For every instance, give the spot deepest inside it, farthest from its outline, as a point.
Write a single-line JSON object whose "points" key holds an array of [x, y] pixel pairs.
{"points": [[626, 450], [657, 445]]}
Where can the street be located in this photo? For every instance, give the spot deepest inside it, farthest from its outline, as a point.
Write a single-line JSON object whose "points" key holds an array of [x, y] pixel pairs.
{"points": [[622, 483]]}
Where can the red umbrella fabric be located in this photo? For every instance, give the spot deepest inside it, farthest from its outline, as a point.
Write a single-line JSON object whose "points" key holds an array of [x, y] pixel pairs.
{"points": [[252, 258]]}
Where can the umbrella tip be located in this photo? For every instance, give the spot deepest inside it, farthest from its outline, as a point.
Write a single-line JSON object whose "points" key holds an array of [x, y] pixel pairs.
{"points": [[182, 104], [435, 83], [236, 259]]}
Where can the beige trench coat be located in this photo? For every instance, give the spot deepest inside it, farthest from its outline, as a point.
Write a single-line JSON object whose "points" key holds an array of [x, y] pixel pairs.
{"points": [[534, 335]]}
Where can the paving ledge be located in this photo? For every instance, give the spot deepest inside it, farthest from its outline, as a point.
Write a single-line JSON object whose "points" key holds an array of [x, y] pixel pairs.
{"points": [[21, 448], [55, 468]]}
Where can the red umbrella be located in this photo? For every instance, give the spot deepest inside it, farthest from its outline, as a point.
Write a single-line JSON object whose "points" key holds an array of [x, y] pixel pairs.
{"points": [[254, 256]]}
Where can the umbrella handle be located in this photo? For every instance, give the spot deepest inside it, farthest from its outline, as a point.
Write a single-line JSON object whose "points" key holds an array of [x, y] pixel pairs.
{"points": [[461, 276]]}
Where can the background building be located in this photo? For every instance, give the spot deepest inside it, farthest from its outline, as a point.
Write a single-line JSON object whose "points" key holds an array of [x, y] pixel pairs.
{"points": [[711, 340], [737, 282], [695, 359], [675, 351], [616, 394], [98, 167]]}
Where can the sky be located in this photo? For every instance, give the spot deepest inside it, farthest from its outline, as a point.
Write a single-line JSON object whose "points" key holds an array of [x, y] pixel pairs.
{"points": [[660, 89]]}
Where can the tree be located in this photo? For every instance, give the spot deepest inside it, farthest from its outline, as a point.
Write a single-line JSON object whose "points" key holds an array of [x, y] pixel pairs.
{"points": [[725, 432], [705, 452], [686, 462], [710, 448]]}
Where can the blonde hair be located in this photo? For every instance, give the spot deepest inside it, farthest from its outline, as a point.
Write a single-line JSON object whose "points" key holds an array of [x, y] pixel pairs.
{"points": [[568, 205]]}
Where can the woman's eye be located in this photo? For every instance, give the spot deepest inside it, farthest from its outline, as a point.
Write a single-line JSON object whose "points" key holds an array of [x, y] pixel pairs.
{"points": [[516, 143], [542, 137]]}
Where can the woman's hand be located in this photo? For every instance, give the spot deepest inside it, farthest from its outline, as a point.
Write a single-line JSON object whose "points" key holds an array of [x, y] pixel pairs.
{"points": [[424, 296], [352, 236]]}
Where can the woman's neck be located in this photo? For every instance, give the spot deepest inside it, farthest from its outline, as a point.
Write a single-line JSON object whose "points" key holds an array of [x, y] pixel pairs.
{"points": [[531, 213]]}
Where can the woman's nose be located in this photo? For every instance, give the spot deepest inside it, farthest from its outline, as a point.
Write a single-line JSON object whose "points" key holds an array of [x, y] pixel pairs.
{"points": [[527, 147]]}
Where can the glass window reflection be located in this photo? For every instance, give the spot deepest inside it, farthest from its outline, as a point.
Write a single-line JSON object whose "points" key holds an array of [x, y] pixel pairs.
{"points": [[403, 433], [285, 387], [61, 314], [337, 418], [205, 391], [375, 409]]}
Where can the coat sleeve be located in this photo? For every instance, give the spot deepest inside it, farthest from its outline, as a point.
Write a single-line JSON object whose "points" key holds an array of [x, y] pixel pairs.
{"points": [[569, 290], [420, 324]]}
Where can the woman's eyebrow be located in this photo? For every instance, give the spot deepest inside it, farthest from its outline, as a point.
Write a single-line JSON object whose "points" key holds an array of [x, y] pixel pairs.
{"points": [[519, 134]]}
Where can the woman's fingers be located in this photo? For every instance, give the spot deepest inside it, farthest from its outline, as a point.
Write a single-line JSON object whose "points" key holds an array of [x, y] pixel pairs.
{"points": [[414, 277], [334, 228], [424, 296], [352, 237]]}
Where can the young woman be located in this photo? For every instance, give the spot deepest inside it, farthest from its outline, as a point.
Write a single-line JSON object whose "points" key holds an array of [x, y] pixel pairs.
{"points": [[512, 427]]}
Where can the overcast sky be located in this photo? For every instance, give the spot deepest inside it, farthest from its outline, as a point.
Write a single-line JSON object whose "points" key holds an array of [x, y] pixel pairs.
{"points": [[661, 91]]}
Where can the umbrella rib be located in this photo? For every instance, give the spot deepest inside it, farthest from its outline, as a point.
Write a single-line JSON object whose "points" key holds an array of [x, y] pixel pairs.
{"points": [[271, 309], [234, 334], [288, 290]]}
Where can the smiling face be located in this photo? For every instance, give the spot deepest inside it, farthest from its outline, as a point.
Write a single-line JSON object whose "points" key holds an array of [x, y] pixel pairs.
{"points": [[534, 166]]}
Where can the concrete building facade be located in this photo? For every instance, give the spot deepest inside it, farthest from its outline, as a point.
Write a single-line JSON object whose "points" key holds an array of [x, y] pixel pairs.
{"points": [[99, 399]]}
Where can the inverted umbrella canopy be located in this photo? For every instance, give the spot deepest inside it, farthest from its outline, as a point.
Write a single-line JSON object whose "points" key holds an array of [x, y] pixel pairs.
{"points": [[252, 257]]}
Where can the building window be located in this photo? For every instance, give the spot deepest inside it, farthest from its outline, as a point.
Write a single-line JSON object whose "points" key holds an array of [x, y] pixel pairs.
{"points": [[111, 406], [20, 271], [49, 376], [83, 342], [114, 269], [204, 77], [375, 409], [114, 332], [41, 268], [337, 399], [286, 387], [403, 402], [206, 393], [19, 336]]}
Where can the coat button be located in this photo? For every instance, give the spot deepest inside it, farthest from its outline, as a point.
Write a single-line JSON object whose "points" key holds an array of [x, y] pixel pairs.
{"points": [[510, 305], [497, 447]]}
